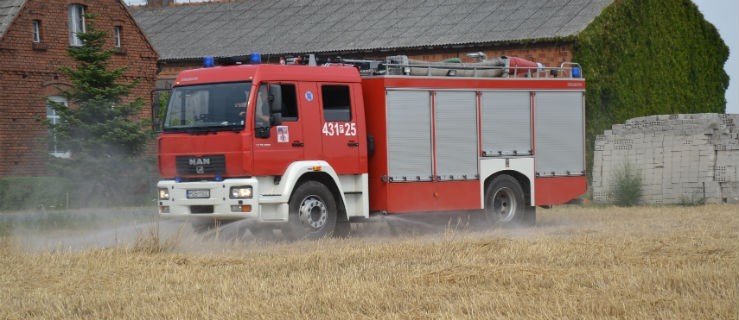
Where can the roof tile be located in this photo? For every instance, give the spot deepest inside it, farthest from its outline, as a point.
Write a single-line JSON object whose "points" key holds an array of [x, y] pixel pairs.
{"points": [[301, 26], [8, 10]]}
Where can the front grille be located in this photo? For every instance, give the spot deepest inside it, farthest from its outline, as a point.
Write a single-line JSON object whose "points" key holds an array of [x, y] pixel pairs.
{"points": [[201, 209], [205, 165]]}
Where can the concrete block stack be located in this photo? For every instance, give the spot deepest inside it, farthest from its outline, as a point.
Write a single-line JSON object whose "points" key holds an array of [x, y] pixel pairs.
{"points": [[682, 159]]}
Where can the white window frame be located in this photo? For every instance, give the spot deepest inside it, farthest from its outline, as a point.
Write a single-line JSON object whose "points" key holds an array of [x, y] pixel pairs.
{"points": [[36, 31], [53, 118], [117, 36], [76, 24]]}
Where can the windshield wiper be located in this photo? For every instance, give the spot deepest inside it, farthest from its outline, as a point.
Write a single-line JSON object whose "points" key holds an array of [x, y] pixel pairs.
{"points": [[235, 127]]}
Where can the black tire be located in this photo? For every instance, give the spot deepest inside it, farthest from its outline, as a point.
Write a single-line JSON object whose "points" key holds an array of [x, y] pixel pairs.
{"points": [[313, 212], [505, 203]]}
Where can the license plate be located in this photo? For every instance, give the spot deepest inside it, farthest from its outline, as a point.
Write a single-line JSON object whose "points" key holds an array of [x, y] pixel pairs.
{"points": [[198, 194]]}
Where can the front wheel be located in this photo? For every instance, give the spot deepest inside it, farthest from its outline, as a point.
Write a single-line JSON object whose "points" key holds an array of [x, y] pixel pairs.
{"points": [[313, 212], [505, 203]]}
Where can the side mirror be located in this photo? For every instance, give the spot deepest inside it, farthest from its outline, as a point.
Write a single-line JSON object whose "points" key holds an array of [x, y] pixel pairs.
{"points": [[274, 110], [275, 98]]}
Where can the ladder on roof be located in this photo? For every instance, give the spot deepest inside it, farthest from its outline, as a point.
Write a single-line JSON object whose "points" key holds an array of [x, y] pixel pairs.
{"points": [[502, 67]]}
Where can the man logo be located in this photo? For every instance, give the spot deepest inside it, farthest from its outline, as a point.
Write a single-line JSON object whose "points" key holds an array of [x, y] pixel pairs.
{"points": [[199, 164], [199, 161]]}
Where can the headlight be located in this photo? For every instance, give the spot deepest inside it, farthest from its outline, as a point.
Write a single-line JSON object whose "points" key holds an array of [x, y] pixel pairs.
{"points": [[240, 192], [163, 194]]}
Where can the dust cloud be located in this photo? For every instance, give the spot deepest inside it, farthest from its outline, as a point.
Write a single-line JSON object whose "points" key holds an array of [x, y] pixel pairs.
{"points": [[124, 228]]}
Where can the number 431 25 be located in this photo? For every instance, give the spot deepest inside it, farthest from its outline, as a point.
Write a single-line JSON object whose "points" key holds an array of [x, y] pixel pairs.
{"points": [[339, 129]]}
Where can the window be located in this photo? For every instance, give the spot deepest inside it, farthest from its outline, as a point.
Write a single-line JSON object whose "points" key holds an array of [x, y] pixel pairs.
{"points": [[76, 24], [336, 103], [117, 37], [289, 102], [36, 31], [210, 107], [53, 119]]}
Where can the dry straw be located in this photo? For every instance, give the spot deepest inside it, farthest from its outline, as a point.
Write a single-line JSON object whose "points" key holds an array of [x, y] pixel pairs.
{"points": [[579, 263]]}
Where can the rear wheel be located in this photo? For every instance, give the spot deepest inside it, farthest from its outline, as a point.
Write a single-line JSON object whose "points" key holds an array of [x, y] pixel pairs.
{"points": [[313, 212], [505, 203]]}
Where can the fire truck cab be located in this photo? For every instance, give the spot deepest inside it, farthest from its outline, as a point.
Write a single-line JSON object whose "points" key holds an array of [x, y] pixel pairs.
{"points": [[308, 149]]}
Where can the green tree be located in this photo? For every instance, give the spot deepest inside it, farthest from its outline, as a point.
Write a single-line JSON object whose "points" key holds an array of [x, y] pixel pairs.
{"points": [[98, 121], [101, 126]]}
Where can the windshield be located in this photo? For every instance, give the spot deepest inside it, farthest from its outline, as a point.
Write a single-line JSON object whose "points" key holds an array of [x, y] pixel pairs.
{"points": [[208, 107]]}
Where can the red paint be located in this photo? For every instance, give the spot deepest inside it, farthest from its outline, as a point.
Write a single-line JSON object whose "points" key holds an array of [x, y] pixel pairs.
{"points": [[267, 72], [404, 197], [558, 190], [344, 151], [235, 146]]}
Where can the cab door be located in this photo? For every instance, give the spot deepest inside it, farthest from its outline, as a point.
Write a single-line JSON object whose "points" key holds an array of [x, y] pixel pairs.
{"points": [[311, 120], [283, 146], [339, 128]]}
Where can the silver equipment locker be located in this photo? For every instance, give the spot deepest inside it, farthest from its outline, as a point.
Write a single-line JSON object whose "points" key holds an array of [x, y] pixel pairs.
{"points": [[456, 135], [559, 133], [506, 123], [409, 135]]}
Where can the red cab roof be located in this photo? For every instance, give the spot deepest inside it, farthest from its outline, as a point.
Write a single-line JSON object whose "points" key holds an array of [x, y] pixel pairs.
{"points": [[267, 72]]}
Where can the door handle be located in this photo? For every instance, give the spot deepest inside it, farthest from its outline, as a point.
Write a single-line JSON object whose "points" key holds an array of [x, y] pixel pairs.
{"points": [[298, 144], [353, 144]]}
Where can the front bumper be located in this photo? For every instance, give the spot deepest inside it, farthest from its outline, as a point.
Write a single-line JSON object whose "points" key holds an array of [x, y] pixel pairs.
{"points": [[218, 205]]}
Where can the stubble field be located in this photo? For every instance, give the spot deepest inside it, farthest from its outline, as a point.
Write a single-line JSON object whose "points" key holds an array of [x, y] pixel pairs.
{"points": [[578, 263]]}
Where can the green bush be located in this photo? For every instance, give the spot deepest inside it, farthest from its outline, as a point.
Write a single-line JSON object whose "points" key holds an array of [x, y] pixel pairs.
{"points": [[648, 57], [18, 193], [626, 190]]}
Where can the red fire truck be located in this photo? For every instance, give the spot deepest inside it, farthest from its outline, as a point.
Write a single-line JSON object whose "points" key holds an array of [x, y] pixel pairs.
{"points": [[308, 149]]}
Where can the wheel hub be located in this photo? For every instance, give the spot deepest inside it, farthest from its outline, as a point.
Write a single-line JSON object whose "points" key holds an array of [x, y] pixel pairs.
{"points": [[504, 204], [313, 212]]}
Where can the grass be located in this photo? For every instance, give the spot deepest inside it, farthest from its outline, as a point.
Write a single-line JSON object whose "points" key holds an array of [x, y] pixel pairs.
{"points": [[582, 263], [626, 190]]}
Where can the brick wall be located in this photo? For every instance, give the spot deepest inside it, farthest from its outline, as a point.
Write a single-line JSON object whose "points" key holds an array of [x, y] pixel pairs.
{"points": [[681, 158], [29, 74]]}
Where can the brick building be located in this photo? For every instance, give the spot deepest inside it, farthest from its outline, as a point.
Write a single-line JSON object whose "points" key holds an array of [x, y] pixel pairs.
{"points": [[34, 37], [540, 30]]}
